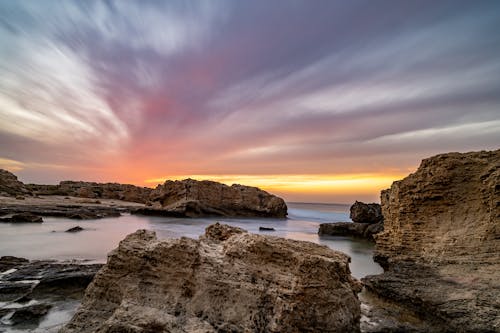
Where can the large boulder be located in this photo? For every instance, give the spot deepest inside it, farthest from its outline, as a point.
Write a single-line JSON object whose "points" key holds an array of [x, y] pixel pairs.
{"points": [[10, 185], [227, 281], [361, 212], [440, 247], [192, 198]]}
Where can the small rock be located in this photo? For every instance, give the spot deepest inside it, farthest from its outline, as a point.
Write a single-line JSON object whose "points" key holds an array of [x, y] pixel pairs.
{"points": [[22, 218], [343, 229], [30, 314], [20, 197], [75, 229], [266, 229]]}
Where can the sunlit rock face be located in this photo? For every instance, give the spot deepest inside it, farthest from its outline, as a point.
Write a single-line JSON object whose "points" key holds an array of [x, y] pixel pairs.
{"points": [[441, 242], [227, 281], [194, 198]]}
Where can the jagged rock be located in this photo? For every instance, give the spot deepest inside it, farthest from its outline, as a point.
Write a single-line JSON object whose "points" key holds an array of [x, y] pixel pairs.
{"points": [[8, 262], [10, 185], [192, 198], [227, 281], [440, 247], [22, 218], [75, 229], [366, 213]]}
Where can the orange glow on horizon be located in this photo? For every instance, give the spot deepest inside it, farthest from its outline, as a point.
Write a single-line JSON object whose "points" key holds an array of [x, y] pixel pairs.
{"points": [[294, 186]]}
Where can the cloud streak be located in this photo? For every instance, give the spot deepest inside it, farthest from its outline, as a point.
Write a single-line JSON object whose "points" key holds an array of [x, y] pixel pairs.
{"points": [[130, 91]]}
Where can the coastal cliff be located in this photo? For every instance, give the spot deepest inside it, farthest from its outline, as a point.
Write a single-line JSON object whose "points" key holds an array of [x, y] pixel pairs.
{"points": [[440, 247], [227, 281]]}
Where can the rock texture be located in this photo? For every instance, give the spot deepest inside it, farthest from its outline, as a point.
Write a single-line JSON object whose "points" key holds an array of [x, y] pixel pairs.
{"points": [[361, 212], [227, 281], [125, 192], [441, 242], [29, 290], [367, 222], [192, 198], [10, 185]]}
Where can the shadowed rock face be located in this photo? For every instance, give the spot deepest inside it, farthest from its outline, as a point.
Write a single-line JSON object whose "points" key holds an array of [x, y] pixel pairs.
{"points": [[227, 281], [361, 212], [194, 198], [441, 242], [9, 185]]}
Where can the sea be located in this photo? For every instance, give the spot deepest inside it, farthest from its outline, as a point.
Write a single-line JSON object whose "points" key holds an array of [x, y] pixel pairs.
{"points": [[48, 240]]}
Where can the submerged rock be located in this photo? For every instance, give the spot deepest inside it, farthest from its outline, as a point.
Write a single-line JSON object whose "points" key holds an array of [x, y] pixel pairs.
{"points": [[266, 229], [343, 229], [75, 229], [30, 314], [227, 281], [192, 198], [440, 247]]}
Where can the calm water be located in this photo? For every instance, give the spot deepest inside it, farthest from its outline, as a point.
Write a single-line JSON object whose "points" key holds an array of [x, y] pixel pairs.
{"points": [[49, 241]]}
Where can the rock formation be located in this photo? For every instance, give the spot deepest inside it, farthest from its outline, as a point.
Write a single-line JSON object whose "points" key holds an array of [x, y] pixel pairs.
{"points": [[227, 281], [29, 289], [192, 198], [361, 212], [367, 222], [10, 185], [186, 198], [440, 247]]}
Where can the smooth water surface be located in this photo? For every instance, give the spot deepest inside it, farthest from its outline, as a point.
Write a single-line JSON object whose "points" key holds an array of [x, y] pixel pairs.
{"points": [[49, 240]]}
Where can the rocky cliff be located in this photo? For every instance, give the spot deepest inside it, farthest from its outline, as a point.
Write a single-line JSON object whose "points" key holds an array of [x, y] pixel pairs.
{"points": [[440, 247], [227, 281], [194, 198]]}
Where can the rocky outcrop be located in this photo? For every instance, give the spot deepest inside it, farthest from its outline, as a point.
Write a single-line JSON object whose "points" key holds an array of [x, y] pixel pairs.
{"points": [[10, 185], [367, 222], [29, 289], [125, 192], [361, 212], [227, 281], [192, 198], [440, 247], [22, 218]]}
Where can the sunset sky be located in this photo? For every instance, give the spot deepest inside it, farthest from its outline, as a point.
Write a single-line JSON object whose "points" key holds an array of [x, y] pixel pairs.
{"points": [[319, 101]]}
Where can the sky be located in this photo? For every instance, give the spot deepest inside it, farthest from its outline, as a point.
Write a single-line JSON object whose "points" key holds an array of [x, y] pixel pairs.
{"points": [[316, 101]]}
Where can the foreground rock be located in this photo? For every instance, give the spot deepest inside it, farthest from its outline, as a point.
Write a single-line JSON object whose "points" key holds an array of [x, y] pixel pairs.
{"points": [[441, 243], [192, 198], [227, 281], [30, 289]]}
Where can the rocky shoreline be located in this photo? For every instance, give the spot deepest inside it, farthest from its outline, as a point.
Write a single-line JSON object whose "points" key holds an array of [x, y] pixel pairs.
{"points": [[437, 238]]}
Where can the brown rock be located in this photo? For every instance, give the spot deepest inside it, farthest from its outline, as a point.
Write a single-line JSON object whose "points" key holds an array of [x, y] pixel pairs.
{"points": [[227, 281], [343, 229], [194, 198], [22, 218], [366, 213], [10, 185], [441, 242]]}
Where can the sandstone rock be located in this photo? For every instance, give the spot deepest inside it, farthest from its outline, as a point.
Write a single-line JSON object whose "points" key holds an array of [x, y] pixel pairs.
{"points": [[10, 185], [192, 198], [440, 247], [227, 281], [366, 213]]}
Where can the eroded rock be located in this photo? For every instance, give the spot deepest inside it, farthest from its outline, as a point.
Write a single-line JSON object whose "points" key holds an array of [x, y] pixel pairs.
{"points": [[192, 198], [10, 185], [227, 281], [440, 247], [361, 212]]}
